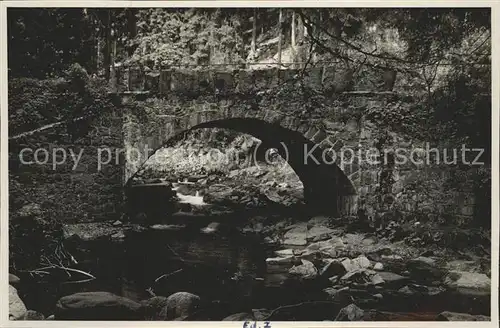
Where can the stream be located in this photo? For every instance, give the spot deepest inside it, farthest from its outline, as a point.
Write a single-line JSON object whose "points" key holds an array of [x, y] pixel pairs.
{"points": [[211, 257]]}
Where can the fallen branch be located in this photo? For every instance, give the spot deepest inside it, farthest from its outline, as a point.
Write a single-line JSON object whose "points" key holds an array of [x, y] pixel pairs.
{"points": [[171, 249], [78, 282], [166, 275], [63, 268]]}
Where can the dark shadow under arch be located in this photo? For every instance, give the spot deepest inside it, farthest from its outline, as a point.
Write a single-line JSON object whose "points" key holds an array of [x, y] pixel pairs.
{"points": [[324, 182]]}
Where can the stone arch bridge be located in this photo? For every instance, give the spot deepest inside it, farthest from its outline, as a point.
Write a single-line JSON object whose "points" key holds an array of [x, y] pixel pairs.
{"points": [[309, 127], [305, 110]]}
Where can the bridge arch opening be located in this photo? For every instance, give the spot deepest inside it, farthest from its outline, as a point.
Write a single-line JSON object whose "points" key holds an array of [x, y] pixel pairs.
{"points": [[326, 186]]}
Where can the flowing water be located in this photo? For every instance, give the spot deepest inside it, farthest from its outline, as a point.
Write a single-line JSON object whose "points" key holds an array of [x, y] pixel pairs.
{"points": [[208, 257]]}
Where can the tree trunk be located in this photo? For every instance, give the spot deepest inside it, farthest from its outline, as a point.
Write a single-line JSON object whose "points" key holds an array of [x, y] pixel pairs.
{"points": [[279, 37], [293, 30], [254, 34], [132, 28], [107, 51], [300, 29]]}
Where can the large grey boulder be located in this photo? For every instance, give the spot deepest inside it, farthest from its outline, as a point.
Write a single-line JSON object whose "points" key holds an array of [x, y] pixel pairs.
{"points": [[468, 283], [306, 270], [454, 316], [16, 305], [153, 306], [180, 304], [97, 306]]}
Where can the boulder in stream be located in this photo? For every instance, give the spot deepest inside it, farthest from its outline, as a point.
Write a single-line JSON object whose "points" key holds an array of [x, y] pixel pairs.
{"points": [[31, 315], [333, 268], [468, 283], [180, 304], [350, 313], [296, 236], [454, 316], [392, 279], [16, 305], [306, 270], [13, 279], [97, 306], [153, 306]]}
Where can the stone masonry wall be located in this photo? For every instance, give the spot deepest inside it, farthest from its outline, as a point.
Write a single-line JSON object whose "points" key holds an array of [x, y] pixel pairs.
{"points": [[180, 100]]}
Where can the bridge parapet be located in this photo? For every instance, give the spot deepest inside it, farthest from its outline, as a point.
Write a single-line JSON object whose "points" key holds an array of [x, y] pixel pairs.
{"points": [[189, 82]]}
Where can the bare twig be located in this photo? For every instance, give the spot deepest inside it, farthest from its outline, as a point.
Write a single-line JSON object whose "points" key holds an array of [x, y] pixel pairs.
{"points": [[166, 275], [172, 250], [78, 282], [54, 266]]}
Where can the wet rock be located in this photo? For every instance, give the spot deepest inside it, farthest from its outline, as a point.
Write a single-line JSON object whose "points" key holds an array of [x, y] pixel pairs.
{"points": [[30, 211], [296, 236], [426, 268], [167, 227], [257, 227], [97, 306], [117, 223], [454, 316], [211, 228], [350, 313], [319, 233], [319, 220], [360, 276], [333, 268], [407, 291], [358, 263], [284, 252], [468, 283], [261, 314], [334, 279], [427, 290], [32, 315], [51, 317], [392, 279], [243, 316], [340, 295], [13, 279], [361, 262], [378, 266], [118, 237], [391, 257], [16, 305], [153, 306], [461, 265], [270, 241], [180, 304], [376, 279], [312, 256], [86, 232], [326, 245], [369, 241], [280, 260], [378, 296], [306, 270]]}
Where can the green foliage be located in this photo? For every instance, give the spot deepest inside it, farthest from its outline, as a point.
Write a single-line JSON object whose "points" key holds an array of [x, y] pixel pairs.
{"points": [[34, 103], [45, 41], [186, 37]]}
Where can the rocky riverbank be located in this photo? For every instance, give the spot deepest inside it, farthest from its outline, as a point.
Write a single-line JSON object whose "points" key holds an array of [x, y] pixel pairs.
{"points": [[334, 275]]}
